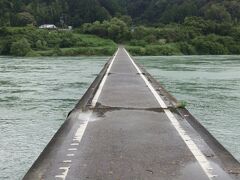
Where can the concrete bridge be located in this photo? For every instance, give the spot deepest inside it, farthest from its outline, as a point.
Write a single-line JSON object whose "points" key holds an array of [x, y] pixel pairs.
{"points": [[127, 127]]}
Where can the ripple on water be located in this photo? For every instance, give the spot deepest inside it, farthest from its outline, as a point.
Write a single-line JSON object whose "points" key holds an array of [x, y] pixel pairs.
{"points": [[36, 95], [35, 98], [210, 85]]}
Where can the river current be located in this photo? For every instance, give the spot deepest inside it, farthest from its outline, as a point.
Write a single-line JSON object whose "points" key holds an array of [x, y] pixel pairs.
{"points": [[36, 95]]}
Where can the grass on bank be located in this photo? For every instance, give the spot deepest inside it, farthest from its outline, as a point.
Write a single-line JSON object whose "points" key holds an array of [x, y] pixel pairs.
{"points": [[30, 41], [181, 104], [154, 50], [75, 51]]}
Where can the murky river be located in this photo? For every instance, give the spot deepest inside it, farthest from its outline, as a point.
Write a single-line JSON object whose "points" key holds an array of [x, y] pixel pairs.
{"points": [[211, 87], [36, 95]]}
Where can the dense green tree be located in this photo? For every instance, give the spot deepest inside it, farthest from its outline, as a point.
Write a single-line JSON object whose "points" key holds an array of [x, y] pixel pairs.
{"points": [[167, 26], [136, 8], [140, 32], [127, 19], [218, 13], [23, 19], [233, 7], [77, 12], [41, 45], [114, 29], [187, 48], [86, 11], [209, 45], [111, 6], [20, 47], [5, 12]]}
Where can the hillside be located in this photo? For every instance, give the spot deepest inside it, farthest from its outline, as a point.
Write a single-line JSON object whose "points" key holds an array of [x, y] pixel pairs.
{"points": [[153, 27], [77, 12]]}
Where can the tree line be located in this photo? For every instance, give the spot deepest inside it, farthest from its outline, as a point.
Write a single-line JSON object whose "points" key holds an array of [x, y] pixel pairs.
{"points": [[154, 27], [194, 36], [151, 12]]}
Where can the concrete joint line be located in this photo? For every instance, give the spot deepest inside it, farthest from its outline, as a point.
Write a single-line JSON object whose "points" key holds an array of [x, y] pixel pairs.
{"points": [[80, 131], [199, 156]]}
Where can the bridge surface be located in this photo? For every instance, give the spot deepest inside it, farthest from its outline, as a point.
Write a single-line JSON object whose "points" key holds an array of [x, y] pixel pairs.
{"points": [[127, 127]]}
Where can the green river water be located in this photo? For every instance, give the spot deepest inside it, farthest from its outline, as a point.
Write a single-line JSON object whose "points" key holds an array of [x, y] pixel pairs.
{"points": [[36, 94]]}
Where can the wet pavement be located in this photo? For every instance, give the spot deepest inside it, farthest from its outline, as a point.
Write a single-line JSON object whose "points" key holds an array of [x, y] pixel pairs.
{"points": [[129, 135]]}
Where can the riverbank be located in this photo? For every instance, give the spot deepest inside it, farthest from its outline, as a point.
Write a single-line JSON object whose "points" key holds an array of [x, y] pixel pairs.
{"points": [[30, 42], [89, 40]]}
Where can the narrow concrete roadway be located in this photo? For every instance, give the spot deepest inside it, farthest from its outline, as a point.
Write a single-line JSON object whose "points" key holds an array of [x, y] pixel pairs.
{"points": [[131, 131]]}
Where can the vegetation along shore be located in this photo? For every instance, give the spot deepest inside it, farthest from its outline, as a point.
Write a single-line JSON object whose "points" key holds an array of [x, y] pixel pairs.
{"points": [[155, 27]]}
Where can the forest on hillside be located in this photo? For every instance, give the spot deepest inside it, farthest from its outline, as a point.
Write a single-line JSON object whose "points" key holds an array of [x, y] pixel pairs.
{"points": [[148, 12], [153, 27]]}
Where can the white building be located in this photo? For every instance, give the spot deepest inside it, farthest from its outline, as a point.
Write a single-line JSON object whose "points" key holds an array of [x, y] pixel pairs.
{"points": [[48, 26]]}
